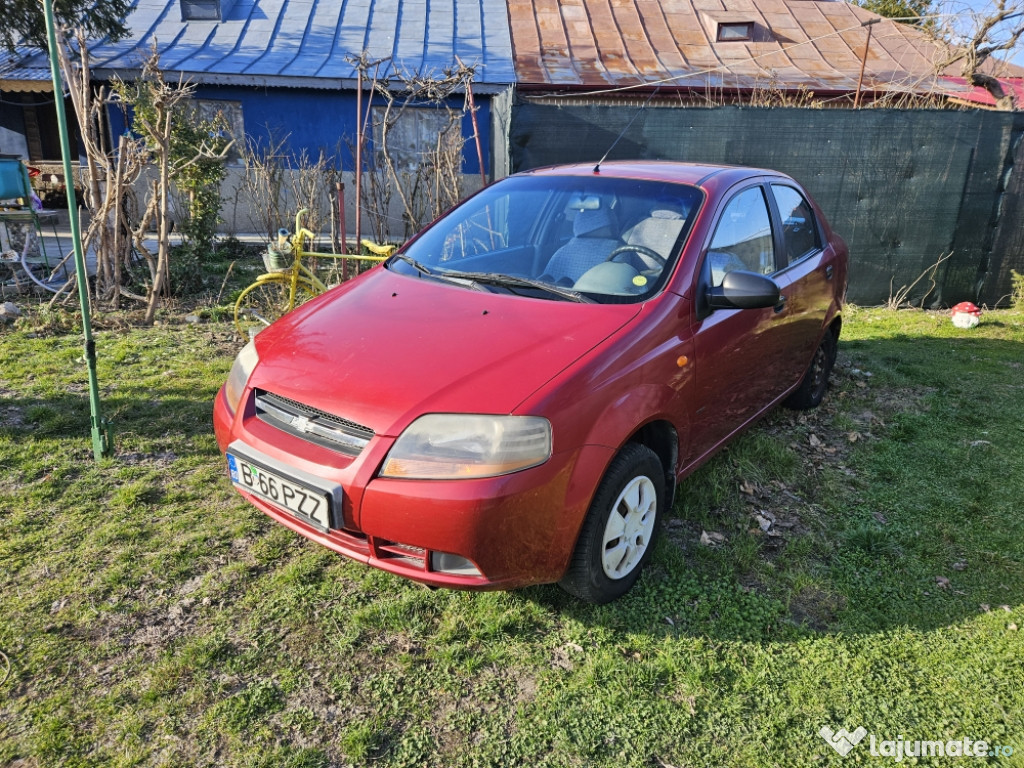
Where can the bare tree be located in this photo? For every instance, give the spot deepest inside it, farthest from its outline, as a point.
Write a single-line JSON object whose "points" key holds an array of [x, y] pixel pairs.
{"points": [[158, 106], [106, 175], [433, 184], [997, 29]]}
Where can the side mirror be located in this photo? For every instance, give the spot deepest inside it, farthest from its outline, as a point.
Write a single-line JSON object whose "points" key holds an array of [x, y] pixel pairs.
{"points": [[744, 290]]}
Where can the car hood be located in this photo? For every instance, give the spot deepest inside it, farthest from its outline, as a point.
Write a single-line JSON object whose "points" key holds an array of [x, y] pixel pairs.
{"points": [[386, 348]]}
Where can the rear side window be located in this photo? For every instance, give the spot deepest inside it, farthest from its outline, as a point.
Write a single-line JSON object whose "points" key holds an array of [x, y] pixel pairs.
{"points": [[799, 228], [743, 237]]}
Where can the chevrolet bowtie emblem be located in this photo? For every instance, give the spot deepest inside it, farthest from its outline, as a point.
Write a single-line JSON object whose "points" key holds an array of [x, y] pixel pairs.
{"points": [[300, 423]]}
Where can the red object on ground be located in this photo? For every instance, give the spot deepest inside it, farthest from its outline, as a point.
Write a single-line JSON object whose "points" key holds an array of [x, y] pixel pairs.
{"points": [[966, 307]]}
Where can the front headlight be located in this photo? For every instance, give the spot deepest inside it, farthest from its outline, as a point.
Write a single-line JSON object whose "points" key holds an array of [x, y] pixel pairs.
{"points": [[443, 446], [241, 369]]}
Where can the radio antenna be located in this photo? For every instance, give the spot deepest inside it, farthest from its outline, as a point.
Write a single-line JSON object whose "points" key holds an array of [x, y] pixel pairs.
{"points": [[597, 168]]}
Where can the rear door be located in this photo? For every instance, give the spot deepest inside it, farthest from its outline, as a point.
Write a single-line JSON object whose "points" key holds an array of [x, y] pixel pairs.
{"points": [[809, 272]]}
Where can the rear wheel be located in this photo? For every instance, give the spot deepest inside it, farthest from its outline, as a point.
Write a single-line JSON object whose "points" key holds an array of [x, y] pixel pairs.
{"points": [[618, 534], [264, 302], [811, 391]]}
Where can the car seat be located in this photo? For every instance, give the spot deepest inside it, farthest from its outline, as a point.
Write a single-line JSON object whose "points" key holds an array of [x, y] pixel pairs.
{"points": [[591, 243], [659, 232]]}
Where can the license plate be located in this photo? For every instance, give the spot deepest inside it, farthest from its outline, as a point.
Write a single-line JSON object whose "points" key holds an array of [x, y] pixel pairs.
{"points": [[309, 505]]}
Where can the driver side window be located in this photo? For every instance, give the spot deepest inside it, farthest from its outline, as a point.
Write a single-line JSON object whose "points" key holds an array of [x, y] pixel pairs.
{"points": [[743, 237]]}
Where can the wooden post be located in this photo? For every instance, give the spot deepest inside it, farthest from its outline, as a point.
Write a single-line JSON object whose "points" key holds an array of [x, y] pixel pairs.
{"points": [[476, 128]]}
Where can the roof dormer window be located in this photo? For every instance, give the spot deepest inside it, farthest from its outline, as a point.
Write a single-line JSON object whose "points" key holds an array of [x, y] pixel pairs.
{"points": [[735, 31], [205, 10]]}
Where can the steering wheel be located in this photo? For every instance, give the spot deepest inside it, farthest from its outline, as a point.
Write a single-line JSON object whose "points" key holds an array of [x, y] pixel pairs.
{"points": [[641, 249]]}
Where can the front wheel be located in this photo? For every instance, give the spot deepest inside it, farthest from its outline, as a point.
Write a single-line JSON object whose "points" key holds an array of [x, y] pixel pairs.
{"points": [[265, 301], [618, 534]]}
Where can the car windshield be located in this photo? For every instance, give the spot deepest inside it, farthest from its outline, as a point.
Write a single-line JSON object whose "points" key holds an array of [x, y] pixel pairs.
{"points": [[568, 238]]}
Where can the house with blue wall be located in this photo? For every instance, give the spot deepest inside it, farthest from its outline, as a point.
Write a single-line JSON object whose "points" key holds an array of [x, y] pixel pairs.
{"points": [[286, 70], [284, 73]]}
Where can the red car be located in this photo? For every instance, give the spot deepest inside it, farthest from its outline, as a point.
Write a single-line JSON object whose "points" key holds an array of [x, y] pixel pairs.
{"points": [[513, 398]]}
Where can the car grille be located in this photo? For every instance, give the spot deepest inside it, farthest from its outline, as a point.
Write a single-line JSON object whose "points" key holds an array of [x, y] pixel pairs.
{"points": [[312, 424]]}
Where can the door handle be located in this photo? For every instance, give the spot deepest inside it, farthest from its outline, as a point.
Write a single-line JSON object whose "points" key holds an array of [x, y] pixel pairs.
{"points": [[828, 272], [781, 304]]}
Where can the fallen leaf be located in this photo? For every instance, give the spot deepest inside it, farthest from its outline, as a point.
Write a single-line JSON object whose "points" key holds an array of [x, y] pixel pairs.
{"points": [[763, 522], [671, 623], [1012, 627], [853, 437], [959, 565], [1005, 608], [986, 608], [942, 581], [712, 539], [748, 488], [815, 442], [976, 443], [879, 517]]}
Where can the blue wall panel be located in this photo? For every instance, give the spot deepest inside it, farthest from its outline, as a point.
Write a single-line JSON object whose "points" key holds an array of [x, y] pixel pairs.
{"points": [[314, 119]]}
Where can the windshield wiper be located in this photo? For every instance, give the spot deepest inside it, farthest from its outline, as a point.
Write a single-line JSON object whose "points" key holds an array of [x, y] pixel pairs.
{"points": [[513, 281], [456, 278], [413, 263]]}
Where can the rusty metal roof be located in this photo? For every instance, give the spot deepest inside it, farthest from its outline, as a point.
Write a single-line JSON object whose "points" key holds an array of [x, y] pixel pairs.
{"points": [[814, 44]]}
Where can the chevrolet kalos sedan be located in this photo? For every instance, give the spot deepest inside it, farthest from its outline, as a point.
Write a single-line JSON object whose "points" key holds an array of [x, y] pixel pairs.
{"points": [[513, 398]]}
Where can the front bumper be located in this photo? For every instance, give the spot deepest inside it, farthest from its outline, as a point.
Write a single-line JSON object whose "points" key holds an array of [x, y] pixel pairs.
{"points": [[516, 529]]}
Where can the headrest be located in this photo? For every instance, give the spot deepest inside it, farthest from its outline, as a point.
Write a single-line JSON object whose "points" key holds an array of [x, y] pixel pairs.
{"points": [[664, 213], [590, 223]]}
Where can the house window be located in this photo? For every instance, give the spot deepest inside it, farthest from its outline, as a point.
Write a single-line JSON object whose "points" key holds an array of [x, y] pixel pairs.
{"points": [[735, 31], [231, 114], [418, 133]]}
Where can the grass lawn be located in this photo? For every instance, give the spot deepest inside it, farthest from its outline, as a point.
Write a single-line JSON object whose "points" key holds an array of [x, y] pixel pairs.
{"points": [[148, 616]]}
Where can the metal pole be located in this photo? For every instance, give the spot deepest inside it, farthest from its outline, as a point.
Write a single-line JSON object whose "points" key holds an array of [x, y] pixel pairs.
{"points": [[864, 60], [359, 153], [102, 442], [339, 189]]}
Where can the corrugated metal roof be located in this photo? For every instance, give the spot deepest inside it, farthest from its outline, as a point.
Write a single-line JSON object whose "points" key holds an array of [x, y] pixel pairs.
{"points": [[1012, 86], [306, 42], [817, 44], [24, 70], [582, 44]]}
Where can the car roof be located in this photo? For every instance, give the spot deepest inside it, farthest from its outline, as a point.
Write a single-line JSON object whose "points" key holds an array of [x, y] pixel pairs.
{"points": [[697, 174]]}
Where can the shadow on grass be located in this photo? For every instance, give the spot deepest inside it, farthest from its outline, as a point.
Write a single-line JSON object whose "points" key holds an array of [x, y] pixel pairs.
{"points": [[910, 515]]}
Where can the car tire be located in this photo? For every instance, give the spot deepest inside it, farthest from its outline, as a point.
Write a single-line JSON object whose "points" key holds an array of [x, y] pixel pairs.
{"points": [[812, 387], [618, 533]]}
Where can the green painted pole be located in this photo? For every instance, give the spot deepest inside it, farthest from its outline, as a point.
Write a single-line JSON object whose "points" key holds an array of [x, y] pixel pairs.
{"points": [[102, 442]]}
